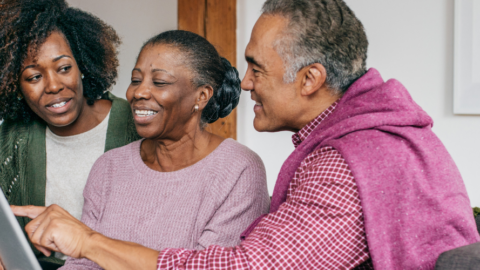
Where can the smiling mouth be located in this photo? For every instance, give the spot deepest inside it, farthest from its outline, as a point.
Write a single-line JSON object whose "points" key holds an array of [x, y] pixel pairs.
{"points": [[258, 103], [145, 113], [58, 105]]}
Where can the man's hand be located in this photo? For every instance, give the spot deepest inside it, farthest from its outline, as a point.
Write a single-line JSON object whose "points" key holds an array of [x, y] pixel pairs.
{"points": [[53, 228]]}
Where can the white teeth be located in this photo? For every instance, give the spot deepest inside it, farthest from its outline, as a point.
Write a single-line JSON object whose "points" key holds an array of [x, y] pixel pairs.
{"points": [[143, 113], [58, 105], [258, 103]]}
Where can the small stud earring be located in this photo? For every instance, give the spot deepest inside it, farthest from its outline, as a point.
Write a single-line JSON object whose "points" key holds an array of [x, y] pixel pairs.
{"points": [[83, 76], [195, 108], [19, 96]]}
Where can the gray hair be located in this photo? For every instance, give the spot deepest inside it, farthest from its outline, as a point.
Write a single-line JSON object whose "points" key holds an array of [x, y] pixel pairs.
{"points": [[321, 31]]}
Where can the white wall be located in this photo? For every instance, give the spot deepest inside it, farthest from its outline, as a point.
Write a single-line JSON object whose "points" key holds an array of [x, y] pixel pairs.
{"points": [[135, 22], [411, 41]]}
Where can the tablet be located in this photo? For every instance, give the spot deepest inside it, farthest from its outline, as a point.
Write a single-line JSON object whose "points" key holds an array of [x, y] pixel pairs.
{"points": [[15, 251]]}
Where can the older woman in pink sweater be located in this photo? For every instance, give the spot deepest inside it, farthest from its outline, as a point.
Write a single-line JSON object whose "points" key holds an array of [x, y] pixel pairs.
{"points": [[181, 186]]}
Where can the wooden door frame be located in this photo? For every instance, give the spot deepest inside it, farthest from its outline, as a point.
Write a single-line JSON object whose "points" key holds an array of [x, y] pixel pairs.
{"points": [[216, 20]]}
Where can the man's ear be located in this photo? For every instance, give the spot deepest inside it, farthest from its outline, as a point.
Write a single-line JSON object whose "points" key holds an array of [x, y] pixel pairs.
{"points": [[314, 78], [205, 92]]}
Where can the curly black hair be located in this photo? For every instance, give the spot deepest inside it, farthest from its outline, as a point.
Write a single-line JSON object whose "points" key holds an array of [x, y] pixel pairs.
{"points": [[209, 69], [26, 24]]}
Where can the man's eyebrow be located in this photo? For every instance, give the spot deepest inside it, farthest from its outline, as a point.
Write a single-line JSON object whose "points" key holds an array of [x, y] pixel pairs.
{"points": [[252, 60], [60, 57]]}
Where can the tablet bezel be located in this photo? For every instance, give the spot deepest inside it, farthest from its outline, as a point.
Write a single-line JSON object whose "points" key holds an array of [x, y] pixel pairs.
{"points": [[15, 251]]}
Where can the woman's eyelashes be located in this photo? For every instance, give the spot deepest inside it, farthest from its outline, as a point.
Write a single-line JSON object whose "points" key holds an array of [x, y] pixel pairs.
{"points": [[62, 70], [34, 78], [135, 81], [160, 83], [156, 82], [65, 69]]}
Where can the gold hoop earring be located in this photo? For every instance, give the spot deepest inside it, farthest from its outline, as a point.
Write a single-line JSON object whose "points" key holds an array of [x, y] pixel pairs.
{"points": [[195, 108]]}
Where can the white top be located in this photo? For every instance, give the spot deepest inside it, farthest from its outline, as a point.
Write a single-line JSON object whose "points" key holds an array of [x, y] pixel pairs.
{"points": [[69, 160]]}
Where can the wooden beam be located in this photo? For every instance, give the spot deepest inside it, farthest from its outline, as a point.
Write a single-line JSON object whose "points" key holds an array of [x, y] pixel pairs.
{"points": [[191, 16], [219, 25], [221, 31]]}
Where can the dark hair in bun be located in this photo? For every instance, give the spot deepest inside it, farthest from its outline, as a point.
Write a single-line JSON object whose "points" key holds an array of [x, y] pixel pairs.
{"points": [[208, 68]]}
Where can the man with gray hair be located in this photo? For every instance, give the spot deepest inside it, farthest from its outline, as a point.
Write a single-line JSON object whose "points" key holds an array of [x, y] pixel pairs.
{"points": [[368, 185]]}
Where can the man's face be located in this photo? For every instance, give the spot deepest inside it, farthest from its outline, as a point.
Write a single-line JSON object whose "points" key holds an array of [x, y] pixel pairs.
{"points": [[275, 100]]}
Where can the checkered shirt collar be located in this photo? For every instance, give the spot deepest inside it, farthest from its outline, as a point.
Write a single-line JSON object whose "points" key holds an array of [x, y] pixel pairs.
{"points": [[300, 136]]}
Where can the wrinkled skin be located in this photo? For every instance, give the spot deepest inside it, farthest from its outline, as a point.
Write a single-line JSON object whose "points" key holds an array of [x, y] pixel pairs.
{"points": [[162, 83], [281, 106]]}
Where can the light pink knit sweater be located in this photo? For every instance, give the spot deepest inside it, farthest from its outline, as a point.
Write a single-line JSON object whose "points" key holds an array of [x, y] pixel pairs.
{"points": [[210, 202]]}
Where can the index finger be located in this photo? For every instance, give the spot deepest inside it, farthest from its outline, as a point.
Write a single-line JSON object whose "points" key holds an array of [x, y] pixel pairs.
{"points": [[1, 264], [27, 211]]}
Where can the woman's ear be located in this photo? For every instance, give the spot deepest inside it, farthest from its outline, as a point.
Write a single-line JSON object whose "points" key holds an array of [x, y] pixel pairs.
{"points": [[314, 78], [205, 94]]}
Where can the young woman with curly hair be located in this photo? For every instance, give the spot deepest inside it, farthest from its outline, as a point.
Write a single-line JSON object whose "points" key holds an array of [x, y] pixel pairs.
{"points": [[56, 65]]}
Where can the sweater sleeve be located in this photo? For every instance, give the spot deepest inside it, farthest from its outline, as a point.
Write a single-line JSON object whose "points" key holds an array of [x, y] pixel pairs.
{"points": [[4, 151], [94, 195], [320, 226], [10, 152], [247, 200]]}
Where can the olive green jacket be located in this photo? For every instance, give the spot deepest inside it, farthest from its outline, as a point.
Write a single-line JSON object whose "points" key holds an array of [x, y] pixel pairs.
{"points": [[23, 155]]}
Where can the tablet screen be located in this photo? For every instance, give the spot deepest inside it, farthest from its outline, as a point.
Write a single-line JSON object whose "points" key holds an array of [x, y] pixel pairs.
{"points": [[15, 251]]}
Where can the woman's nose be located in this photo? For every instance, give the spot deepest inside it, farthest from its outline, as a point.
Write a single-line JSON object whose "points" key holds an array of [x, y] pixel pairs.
{"points": [[54, 84], [143, 91]]}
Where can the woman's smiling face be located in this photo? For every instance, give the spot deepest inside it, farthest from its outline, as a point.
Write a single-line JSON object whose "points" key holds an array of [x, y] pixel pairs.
{"points": [[52, 85], [161, 93]]}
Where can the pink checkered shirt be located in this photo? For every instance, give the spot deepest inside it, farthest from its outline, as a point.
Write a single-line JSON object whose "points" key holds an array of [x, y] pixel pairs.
{"points": [[320, 226]]}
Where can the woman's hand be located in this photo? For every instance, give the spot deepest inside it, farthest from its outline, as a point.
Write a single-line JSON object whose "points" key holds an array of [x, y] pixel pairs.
{"points": [[53, 228], [27, 211], [2, 267]]}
